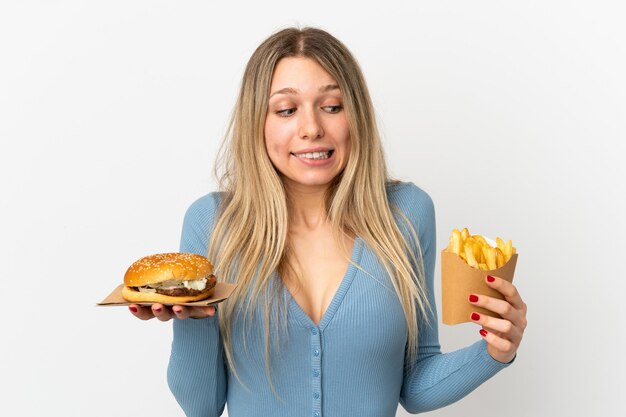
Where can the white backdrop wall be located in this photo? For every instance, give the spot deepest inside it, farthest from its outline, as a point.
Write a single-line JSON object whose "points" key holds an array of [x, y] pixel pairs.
{"points": [[510, 114]]}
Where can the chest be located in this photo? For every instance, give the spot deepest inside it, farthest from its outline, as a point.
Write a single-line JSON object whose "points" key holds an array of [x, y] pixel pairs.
{"points": [[317, 266], [363, 325]]}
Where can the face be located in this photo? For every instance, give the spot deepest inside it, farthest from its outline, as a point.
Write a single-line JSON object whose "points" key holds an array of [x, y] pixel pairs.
{"points": [[306, 131]]}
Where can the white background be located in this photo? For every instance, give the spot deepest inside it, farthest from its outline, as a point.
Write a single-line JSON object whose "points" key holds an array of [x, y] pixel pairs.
{"points": [[510, 114]]}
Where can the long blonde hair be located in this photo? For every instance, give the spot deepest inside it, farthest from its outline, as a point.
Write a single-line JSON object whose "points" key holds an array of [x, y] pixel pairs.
{"points": [[250, 240]]}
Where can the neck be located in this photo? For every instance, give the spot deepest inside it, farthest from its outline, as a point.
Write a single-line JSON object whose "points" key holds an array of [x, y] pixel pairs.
{"points": [[307, 206]]}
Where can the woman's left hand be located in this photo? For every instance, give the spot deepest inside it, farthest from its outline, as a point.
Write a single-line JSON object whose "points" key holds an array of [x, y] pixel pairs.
{"points": [[503, 336]]}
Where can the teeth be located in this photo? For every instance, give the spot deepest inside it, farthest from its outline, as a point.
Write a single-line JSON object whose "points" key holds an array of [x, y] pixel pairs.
{"points": [[313, 155]]}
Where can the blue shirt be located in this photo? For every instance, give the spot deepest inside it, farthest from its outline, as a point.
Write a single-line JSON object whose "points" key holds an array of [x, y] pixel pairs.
{"points": [[350, 364]]}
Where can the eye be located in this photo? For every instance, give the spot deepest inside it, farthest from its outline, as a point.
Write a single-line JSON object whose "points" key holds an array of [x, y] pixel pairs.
{"points": [[285, 112], [333, 109]]}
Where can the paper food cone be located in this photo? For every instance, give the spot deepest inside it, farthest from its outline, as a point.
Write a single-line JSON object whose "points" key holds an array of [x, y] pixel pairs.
{"points": [[459, 280]]}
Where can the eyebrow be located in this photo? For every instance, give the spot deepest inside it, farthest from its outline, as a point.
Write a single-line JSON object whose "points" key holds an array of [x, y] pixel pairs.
{"points": [[322, 89]]}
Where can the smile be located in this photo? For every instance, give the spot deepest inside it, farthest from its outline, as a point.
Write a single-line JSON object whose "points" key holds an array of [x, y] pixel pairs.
{"points": [[314, 155]]}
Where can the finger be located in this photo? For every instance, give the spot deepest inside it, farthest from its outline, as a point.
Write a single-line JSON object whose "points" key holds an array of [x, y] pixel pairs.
{"points": [[161, 312], [210, 310], [143, 313], [500, 349], [507, 289], [203, 312], [181, 312], [500, 327], [500, 307]]}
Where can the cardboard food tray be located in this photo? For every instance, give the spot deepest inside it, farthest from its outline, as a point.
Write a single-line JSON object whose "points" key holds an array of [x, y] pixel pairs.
{"points": [[459, 280], [222, 292]]}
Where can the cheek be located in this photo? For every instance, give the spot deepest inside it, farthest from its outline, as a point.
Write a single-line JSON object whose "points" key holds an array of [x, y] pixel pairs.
{"points": [[344, 134], [342, 131], [272, 144], [276, 137]]}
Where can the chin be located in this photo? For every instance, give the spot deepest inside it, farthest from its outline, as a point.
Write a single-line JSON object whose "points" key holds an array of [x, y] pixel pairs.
{"points": [[315, 182]]}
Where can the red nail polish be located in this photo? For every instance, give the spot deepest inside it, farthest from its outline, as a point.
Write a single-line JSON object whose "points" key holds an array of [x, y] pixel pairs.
{"points": [[490, 278], [473, 298], [483, 332], [157, 310], [133, 309], [475, 316]]}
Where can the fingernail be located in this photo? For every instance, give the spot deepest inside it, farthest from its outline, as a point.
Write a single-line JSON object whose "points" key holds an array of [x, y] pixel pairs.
{"points": [[490, 278], [473, 298], [176, 311], [133, 309], [475, 316], [483, 332], [157, 310]]}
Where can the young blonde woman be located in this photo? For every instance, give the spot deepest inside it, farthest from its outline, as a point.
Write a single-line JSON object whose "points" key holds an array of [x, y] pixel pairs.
{"points": [[334, 311]]}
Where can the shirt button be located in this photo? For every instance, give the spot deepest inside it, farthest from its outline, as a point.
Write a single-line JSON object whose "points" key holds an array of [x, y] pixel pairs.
{"points": [[313, 331], [316, 395], [316, 373], [316, 414], [316, 352]]}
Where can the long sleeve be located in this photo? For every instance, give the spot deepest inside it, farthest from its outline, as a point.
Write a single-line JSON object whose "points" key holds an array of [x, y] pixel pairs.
{"points": [[437, 379], [196, 373]]}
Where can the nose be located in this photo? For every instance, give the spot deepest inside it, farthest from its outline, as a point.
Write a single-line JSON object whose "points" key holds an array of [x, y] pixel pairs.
{"points": [[309, 125]]}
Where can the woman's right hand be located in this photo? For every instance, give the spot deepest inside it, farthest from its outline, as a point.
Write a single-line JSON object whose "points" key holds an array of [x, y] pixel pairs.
{"points": [[164, 313]]}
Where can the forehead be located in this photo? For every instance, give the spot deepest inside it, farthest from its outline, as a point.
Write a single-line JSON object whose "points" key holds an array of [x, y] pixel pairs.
{"points": [[301, 74]]}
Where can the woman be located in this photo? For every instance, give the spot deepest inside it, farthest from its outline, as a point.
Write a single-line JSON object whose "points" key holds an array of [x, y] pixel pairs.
{"points": [[333, 314]]}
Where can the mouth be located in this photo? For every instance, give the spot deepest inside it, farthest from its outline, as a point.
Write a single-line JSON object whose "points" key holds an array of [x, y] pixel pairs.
{"points": [[314, 155]]}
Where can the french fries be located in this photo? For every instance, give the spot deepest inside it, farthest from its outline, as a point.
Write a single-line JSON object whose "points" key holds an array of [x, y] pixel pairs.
{"points": [[477, 253]]}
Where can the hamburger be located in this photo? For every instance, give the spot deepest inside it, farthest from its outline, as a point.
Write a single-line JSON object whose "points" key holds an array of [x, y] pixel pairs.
{"points": [[169, 278]]}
